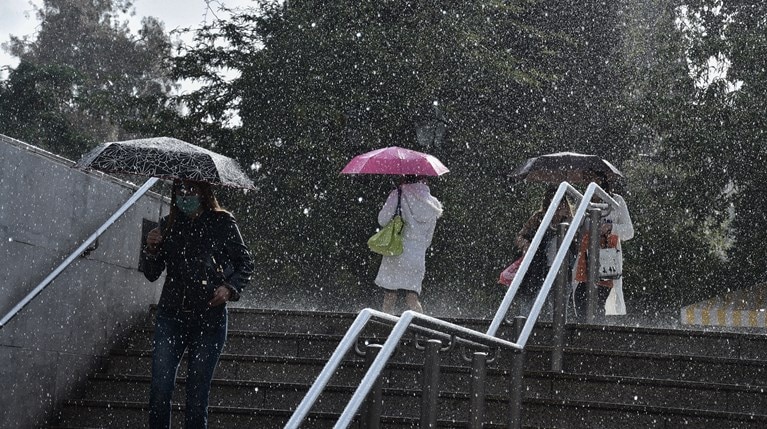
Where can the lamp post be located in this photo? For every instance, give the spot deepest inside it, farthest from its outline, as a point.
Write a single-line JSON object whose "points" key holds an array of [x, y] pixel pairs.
{"points": [[430, 129]]}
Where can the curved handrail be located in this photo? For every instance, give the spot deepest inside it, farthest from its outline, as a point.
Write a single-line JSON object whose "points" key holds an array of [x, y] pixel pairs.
{"points": [[77, 252]]}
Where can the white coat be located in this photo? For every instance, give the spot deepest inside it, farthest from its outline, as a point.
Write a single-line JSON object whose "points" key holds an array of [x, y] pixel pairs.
{"points": [[420, 211], [615, 305]]}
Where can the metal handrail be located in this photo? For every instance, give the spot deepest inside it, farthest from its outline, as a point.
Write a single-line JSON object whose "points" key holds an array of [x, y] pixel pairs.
{"points": [[564, 188], [585, 204], [77, 252], [347, 342], [409, 318]]}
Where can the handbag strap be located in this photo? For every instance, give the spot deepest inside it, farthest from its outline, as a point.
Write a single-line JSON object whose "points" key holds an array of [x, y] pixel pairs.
{"points": [[398, 212]]}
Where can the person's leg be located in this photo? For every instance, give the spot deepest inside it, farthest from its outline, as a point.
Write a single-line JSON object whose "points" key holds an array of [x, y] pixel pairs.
{"points": [[530, 286], [411, 299], [581, 298], [602, 293], [205, 345], [167, 348], [389, 299]]}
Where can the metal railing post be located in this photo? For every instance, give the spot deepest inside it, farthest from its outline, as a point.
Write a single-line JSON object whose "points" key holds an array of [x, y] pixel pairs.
{"points": [[430, 387], [560, 306], [517, 379], [477, 391], [593, 263], [371, 414], [409, 319]]}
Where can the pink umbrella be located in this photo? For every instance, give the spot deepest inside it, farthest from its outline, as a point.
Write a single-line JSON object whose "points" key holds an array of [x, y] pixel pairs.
{"points": [[395, 160]]}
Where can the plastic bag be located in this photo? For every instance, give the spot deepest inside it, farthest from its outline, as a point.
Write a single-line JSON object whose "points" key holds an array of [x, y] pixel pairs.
{"points": [[508, 274]]}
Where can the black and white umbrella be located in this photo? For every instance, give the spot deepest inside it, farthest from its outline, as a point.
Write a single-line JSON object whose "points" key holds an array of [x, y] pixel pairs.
{"points": [[166, 158], [158, 158]]}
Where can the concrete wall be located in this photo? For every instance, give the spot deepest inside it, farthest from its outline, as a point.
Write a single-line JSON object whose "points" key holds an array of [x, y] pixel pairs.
{"points": [[47, 209]]}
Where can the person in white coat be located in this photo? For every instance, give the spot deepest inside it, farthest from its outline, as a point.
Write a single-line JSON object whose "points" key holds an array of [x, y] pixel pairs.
{"points": [[615, 224], [420, 211]]}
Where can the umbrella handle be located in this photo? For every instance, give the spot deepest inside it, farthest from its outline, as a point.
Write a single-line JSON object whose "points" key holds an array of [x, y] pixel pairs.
{"points": [[159, 213]]}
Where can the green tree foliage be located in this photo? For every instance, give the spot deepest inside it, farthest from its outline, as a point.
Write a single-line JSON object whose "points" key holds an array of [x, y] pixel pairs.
{"points": [[330, 80], [586, 106], [672, 133], [316, 83], [323, 82], [742, 27], [86, 78], [36, 105]]}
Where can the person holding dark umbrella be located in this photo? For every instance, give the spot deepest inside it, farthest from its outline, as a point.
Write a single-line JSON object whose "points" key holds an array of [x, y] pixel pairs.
{"points": [[206, 261], [615, 227], [207, 264], [544, 255]]}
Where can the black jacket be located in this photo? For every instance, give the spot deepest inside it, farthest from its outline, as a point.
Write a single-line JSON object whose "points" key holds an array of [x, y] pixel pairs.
{"points": [[200, 255]]}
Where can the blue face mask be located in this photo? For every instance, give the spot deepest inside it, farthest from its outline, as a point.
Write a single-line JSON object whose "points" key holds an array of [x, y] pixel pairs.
{"points": [[188, 204]]}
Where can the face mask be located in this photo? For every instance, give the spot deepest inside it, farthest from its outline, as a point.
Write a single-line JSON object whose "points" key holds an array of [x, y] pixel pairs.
{"points": [[189, 204]]}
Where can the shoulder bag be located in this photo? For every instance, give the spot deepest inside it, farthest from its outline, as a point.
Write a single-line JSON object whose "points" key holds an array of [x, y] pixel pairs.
{"points": [[388, 241]]}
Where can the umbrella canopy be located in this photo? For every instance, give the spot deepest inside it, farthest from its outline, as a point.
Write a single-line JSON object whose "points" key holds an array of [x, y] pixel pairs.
{"points": [[166, 158], [396, 161], [566, 167]]}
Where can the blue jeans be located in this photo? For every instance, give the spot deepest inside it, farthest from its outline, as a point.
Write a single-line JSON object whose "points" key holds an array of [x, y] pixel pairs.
{"points": [[204, 341]]}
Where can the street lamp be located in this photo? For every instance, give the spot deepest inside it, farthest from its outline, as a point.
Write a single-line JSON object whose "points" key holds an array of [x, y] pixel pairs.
{"points": [[430, 129]]}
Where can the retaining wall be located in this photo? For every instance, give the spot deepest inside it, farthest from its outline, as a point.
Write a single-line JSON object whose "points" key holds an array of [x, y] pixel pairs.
{"points": [[47, 210]]}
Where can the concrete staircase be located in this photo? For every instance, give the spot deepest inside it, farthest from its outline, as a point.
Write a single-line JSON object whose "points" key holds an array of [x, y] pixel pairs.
{"points": [[614, 377]]}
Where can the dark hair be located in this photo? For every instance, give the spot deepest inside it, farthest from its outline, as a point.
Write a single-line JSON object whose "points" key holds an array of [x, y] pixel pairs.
{"points": [[412, 178], [207, 199], [604, 182], [548, 197]]}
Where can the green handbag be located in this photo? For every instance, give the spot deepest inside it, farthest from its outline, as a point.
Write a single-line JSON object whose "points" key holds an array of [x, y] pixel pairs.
{"points": [[388, 241]]}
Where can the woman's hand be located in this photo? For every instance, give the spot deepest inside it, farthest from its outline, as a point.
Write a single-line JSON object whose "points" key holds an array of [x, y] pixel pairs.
{"points": [[220, 296], [521, 244], [153, 241], [605, 229]]}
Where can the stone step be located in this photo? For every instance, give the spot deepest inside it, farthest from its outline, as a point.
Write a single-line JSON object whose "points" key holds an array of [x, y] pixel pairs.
{"points": [[299, 345], [614, 376], [538, 413], [130, 415], [455, 385], [641, 339], [748, 397], [271, 396], [740, 354], [307, 361]]}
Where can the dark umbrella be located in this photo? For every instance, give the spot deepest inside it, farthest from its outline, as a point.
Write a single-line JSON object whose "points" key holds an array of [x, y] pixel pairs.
{"points": [[566, 167], [165, 158], [158, 157]]}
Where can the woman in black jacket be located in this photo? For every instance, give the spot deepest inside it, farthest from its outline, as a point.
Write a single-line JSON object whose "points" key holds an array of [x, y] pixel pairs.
{"points": [[544, 256], [207, 264]]}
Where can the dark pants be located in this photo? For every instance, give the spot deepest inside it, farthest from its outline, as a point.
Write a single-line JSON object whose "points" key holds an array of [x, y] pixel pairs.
{"points": [[530, 286], [204, 342], [581, 298]]}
